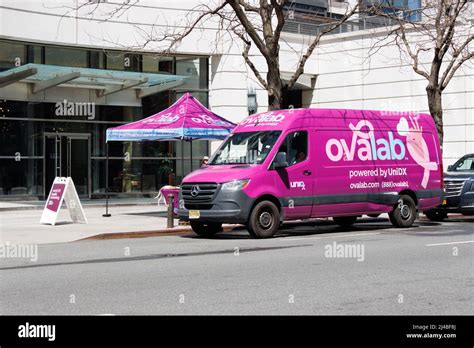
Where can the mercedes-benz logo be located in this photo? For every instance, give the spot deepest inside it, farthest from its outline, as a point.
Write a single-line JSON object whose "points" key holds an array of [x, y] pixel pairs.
{"points": [[194, 190]]}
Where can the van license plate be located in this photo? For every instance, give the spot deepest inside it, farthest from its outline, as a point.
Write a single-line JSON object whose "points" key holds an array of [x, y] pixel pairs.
{"points": [[194, 214]]}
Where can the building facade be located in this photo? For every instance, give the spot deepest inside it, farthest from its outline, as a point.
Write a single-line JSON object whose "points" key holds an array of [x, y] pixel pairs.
{"points": [[60, 131], [53, 126]]}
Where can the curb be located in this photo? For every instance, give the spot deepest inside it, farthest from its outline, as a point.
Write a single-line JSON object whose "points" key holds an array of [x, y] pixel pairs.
{"points": [[175, 231]]}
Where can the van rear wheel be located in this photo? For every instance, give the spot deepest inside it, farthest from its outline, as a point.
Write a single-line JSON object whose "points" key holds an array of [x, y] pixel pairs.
{"points": [[206, 229], [264, 220], [404, 212], [345, 221]]}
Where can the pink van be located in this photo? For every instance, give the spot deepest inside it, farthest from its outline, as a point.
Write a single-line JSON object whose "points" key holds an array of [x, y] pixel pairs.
{"points": [[313, 163]]}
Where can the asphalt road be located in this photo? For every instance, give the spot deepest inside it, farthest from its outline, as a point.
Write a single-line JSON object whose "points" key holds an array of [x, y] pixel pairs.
{"points": [[426, 269]]}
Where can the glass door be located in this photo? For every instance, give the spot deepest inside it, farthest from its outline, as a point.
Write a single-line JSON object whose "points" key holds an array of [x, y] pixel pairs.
{"points": [[68, 154]]}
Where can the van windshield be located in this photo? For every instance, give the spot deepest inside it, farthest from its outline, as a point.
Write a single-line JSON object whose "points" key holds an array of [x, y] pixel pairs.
{"points": [[246, 148]]}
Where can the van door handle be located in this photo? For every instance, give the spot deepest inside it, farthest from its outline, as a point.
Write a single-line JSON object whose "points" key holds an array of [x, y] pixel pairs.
{"points": [[307, 172]]}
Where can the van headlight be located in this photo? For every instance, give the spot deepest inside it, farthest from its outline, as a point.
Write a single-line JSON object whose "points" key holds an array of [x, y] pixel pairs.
{"points": [[235, 185]]}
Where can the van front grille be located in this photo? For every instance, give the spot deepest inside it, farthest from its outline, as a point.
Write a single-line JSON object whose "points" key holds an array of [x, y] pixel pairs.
{"points": [[453, 187], [198, 192]]}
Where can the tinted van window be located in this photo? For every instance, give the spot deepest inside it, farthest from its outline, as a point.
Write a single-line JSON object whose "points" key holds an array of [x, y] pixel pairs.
{"points": [[296, 147]]}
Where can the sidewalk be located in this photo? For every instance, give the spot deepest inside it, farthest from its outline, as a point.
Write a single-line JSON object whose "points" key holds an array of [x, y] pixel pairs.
{"points": [[27, 205], [22, 226]]}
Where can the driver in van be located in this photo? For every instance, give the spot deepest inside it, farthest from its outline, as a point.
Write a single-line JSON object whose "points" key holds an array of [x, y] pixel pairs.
{"points": [[300, 157]]}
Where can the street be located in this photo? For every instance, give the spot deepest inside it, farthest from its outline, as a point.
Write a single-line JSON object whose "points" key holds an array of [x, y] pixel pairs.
{"points": [[426, 269]]}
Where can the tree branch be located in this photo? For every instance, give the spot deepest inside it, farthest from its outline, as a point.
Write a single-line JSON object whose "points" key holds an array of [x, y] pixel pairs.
{"points": [[300, 69]]}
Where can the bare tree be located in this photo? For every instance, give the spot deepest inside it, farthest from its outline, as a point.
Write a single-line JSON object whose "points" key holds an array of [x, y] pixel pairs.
{"points": [[254, 22], [440, 32]]}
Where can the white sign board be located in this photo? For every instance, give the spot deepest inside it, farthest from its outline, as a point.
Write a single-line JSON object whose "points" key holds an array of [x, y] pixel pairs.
{"points": [[63, 189]]}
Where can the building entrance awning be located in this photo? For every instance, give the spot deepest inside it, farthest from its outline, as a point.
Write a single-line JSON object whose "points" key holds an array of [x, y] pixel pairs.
{"points": [[304, 82], [105, 82]]}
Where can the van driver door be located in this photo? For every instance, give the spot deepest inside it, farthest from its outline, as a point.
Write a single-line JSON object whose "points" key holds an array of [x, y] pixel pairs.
{"points": [[295, 182]]}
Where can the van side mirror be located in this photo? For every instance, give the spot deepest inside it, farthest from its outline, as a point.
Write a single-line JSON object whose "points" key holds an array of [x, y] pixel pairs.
{"points": [[280, 160], [450, 168]]}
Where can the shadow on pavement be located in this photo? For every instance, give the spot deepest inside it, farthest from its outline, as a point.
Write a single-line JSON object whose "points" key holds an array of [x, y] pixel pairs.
{"points": [[152, 257], [318, 226]]}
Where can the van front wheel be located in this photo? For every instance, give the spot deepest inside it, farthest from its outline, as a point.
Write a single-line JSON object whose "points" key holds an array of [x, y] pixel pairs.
{"points": [[264, 220], [404, 212]]}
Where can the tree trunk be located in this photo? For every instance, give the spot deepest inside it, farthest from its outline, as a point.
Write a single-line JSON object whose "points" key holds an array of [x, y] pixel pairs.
{"points": [[274, 102], [274, 87], [436, 109]]}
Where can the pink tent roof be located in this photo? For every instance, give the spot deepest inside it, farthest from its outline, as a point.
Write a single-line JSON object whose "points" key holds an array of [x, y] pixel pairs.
{"points": [[186, 119]]}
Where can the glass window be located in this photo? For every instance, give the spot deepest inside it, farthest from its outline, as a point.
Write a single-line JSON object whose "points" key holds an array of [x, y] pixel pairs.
{"points": [[20, 138], [157, 65], [133, 62], [246, 148], [35, 54], [118, 113], [10, 108], [157, 102], [204, 73], [201, 96], [465, 164], [134, 176], [11, 55], [121, 61], [66, 57], [188, 67], [196, 69], [166, 65], [151, 63], [21, 178], [96, 60], [115, 60], [295, 146]]}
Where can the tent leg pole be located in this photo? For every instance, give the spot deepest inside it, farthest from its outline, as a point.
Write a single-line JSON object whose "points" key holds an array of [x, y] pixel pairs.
{"points": [[191, 152], [107, 182], [182, 159]]}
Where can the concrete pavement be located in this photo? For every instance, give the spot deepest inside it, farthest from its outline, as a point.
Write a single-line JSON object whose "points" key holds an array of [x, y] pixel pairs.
{"points": [[426, 269], [22, 226]]}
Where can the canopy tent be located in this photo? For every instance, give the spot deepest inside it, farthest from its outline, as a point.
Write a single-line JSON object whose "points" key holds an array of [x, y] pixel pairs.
{"points": [[186, 120]]}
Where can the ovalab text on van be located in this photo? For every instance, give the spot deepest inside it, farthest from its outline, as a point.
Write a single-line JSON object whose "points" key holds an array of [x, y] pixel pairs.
{"points": [[311, 163]]}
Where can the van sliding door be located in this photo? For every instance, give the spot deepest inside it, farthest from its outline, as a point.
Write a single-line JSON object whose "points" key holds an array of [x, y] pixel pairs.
{"points": [[345, 176]]}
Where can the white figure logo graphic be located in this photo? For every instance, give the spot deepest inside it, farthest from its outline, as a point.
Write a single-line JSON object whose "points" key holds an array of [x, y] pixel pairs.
{"points": [[417, 146]]}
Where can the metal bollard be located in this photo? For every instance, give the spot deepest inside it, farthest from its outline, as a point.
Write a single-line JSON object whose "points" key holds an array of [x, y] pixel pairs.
{"points": [[170, 223]]}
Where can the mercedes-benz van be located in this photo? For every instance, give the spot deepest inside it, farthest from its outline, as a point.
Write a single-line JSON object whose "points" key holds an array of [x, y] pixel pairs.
{"points": [[312, 163]]}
